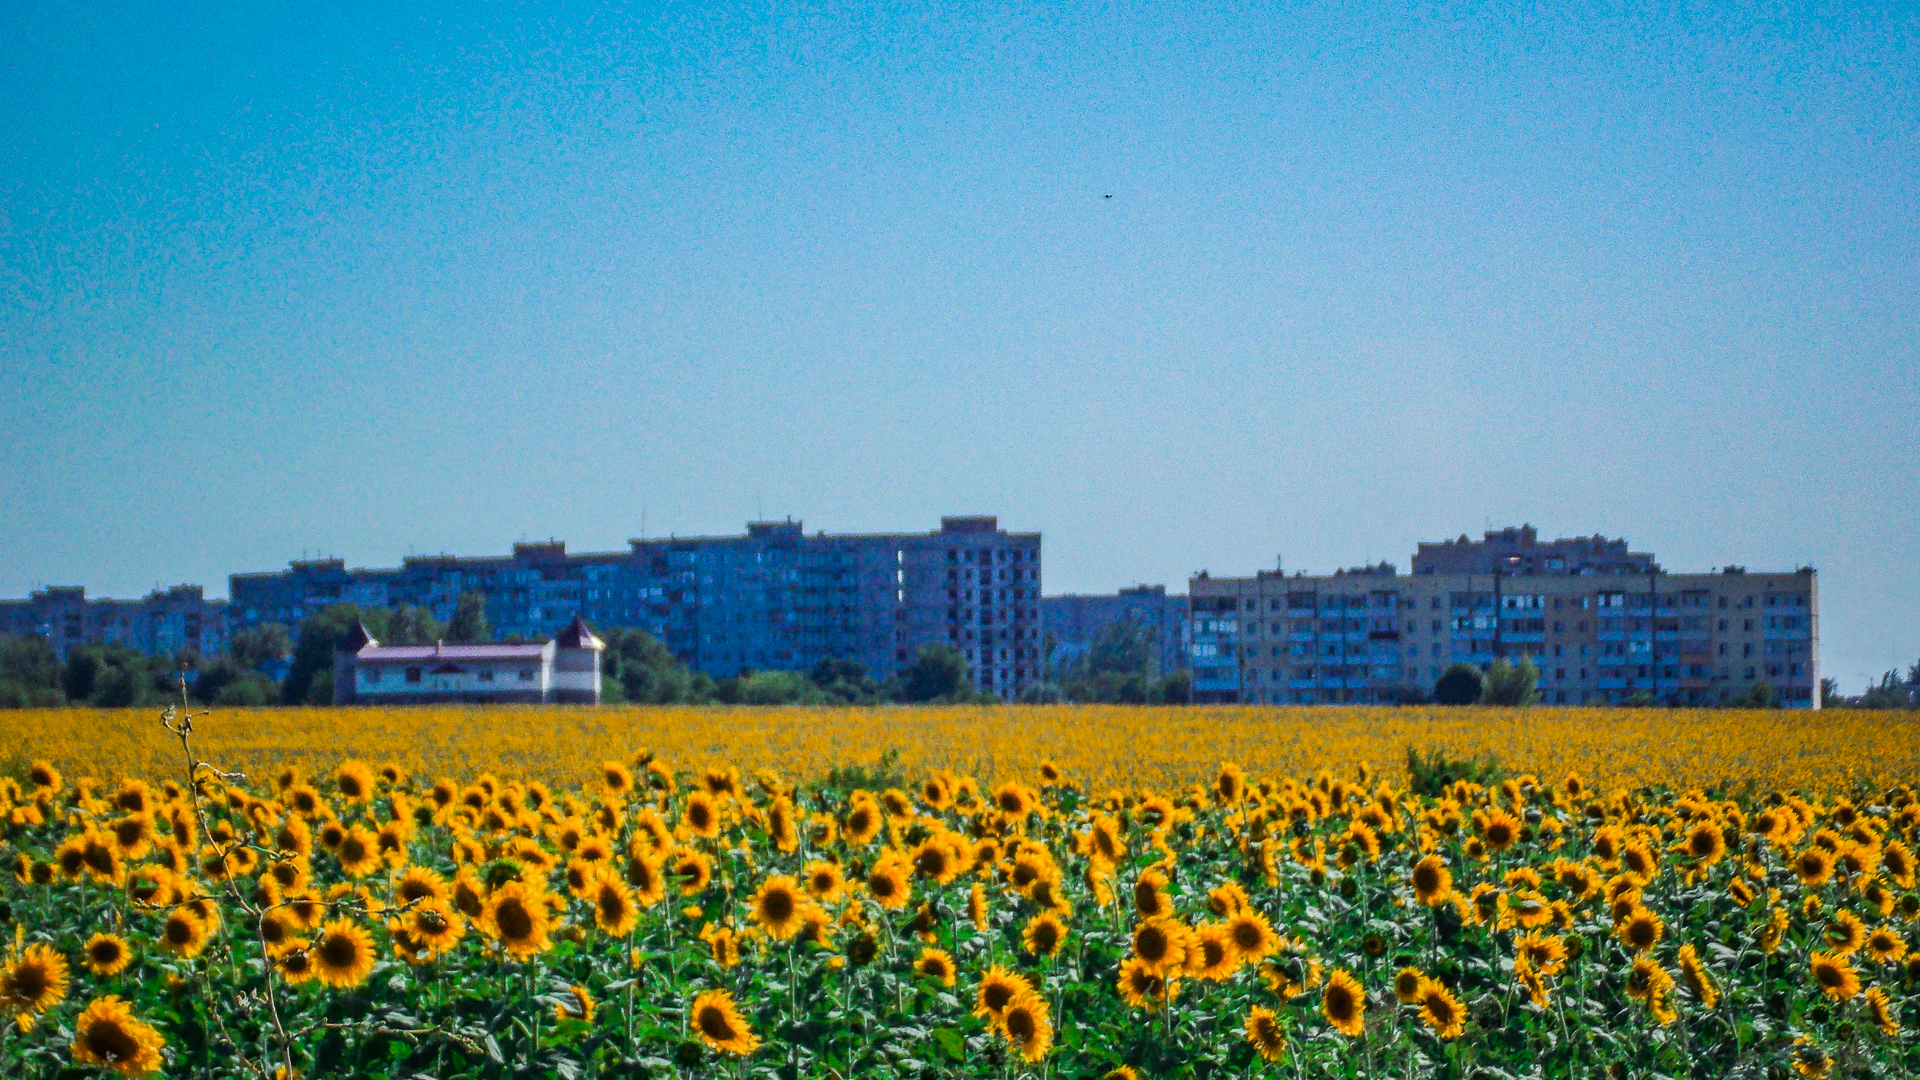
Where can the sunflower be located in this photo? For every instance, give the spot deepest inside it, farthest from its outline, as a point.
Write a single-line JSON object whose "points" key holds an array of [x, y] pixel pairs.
{"points": [[1141, 986], [35, 981], [107, 954], [701, 817], [1044, 934], [44, 777], [1648, 982], [358, 851], [936, 792], [306, 910], [1545, 953], [1345, 1003], [1211, 954], [108, 1035], [1835, 976], [1150, 898], [998, 987], [1499, 829], [693, 871], [1121, 1072], [355, 781], [1809, 1060], [580, 1008], [1228, 898], [778, 907], [1898, 862], [725, 945], [343, 954], [435, 926], [1640, 930], [1014, 800], [1884, 1014], [1408, 982], [1264, 1031], [1740, 892], [517, 916], [275, 929], [100, 857], [890, 882], [1252, 936], [938, 858], [615, 778], [185, 933], [1432, 881], [613, 907], [1440, 1010], [780, 826], [863, 819], [649, 884], [824, 881], [1846, 933], [296, 964], [977, 912], [1161, 943], [1814, 866], [937, 965], [720, 1025], [1027, 1028], [1697, 979], [1886, 945]]}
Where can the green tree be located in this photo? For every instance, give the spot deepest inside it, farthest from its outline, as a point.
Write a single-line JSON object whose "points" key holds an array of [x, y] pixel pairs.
{"points": [[469, 622], [844, 681], [1830, 696], [938, 673], [116, 677], [29, 673], [1458, 685], [648, 673], [310, 672], [1511, 684], [260, 645], [410, 624]]}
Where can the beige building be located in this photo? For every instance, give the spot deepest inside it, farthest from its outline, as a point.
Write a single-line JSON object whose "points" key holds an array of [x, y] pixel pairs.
{"points": [[1601, 624]]}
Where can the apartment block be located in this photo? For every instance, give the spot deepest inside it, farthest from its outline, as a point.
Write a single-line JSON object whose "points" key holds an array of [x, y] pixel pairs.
{"points": [[1070, 624], [774, 598], [167, 622], [1602, 624]]}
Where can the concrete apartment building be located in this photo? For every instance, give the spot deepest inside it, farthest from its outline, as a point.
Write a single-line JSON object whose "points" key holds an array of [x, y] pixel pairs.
{"points": [[772, 599], [167, 622], [1070, 623], [1600, 622]]}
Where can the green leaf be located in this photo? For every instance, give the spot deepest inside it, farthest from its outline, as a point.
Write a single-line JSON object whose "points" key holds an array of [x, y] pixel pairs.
{"points": [[951, 1042]]}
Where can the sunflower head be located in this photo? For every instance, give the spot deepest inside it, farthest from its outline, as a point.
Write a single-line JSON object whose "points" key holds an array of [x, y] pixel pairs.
{"points": [[35, 980], [1026, 1025], [937, 965], [1044, 934], [343, 954], [1345, 1004], [108, 1035], [1265, 1032], [719, 1024]]}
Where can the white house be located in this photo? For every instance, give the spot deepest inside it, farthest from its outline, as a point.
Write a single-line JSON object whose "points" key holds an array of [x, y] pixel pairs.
{"points": [[566, 669]]}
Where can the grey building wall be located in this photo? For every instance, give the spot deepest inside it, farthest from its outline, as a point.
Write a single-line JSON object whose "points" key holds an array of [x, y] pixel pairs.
{"points": [[1598, 634], [1071, 623], [774, 598], [166, 622]]}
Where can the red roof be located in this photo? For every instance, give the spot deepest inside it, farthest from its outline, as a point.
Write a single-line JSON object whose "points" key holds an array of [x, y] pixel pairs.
{"points": [[402, 653]]}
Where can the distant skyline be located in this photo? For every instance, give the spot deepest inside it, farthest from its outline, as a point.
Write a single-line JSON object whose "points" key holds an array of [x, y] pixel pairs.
{"points": [[291, 277]]}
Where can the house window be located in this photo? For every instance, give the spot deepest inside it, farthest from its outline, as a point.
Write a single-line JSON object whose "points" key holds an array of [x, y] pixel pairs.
{"points": [[371, 674], [486, 674], [413, 674], [526, 674]]}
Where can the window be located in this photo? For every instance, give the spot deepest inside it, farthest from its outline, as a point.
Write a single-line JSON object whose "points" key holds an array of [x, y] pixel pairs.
{"points": [[413, 674], [526, 674], [371, 674]]}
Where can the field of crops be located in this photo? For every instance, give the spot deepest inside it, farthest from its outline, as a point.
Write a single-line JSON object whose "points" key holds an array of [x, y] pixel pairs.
{"points": [[1102, 746], [1044, 892]]}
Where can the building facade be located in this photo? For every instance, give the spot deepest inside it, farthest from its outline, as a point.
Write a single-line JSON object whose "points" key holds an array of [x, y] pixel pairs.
{"points": [[774, 598], [563, 670], [168, 622], [1602, 627], [1070, 624]]}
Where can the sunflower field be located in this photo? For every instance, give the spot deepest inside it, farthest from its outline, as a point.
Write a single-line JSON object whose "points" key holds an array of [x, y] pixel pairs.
{"points": [[1216, 908]]}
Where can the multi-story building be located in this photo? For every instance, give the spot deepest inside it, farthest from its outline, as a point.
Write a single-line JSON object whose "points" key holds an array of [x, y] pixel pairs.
{"points": [[167, 622], [1070, 624], [774, 598], [1601, 624]]}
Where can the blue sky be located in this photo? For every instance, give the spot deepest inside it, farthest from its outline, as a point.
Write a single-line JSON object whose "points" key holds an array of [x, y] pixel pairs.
{"points": [[286, 278]]}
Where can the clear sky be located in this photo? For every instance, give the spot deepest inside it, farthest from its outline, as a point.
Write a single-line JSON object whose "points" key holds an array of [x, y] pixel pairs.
{"points": [[298, 278]]}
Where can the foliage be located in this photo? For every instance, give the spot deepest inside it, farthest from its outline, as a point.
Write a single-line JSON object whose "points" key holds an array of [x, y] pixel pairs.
{"points": [[1436, 772], [1510, 684], [469, 622], [1231, 924], [29, 673], [1120, 667], [1458, 685]]}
